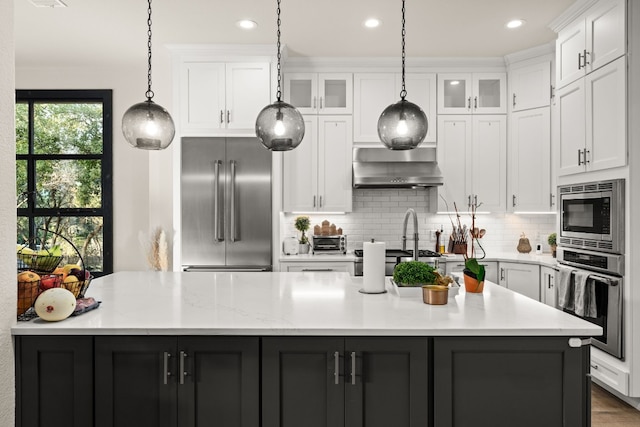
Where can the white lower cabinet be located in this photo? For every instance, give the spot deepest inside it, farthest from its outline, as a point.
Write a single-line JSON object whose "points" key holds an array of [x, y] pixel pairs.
{"points": [[490, 267], [548, 292], [317, 174], [521, 278], [318, 266]]}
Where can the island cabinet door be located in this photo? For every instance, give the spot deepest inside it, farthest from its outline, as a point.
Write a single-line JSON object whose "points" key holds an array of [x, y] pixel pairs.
{"points": [[54, 381], [135, 381], [218, 381], [510, 381], [302, 382], [387, 382]]}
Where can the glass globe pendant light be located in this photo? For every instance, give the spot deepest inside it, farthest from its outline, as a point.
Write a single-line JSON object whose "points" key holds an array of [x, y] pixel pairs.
{"points": [[403, 125], [280, 126], [147, 125]]}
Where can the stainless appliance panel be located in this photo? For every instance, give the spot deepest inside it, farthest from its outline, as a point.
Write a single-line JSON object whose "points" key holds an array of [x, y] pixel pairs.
{"points": [[203, 178], [248, 203], [226, 204]]}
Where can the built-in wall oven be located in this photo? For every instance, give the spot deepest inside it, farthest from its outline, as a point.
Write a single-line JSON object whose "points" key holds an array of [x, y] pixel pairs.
{"points": [[592, 216], [604, 279]]}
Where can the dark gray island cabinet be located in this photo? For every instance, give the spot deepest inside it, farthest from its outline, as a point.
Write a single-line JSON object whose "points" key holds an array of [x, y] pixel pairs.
{"points": [[153, 381], [300, 349]]}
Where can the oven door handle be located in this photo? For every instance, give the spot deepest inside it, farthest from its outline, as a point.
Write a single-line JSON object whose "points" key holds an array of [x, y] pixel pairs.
{"points": [[608, 281]]}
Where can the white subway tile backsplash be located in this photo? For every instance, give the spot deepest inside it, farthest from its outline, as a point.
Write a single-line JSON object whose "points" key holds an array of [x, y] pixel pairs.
{"points": [[379, 214]]}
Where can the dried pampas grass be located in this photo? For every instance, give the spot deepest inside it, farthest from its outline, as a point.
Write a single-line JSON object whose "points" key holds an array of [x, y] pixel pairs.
{"points": [[157, 251]]}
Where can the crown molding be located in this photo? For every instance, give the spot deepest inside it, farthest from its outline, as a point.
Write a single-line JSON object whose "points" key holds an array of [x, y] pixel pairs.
{"points": [[572, 13], [545, 50]]}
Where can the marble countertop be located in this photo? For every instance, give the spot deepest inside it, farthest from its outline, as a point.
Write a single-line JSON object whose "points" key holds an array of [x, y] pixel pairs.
{"points": [[306, 304]]}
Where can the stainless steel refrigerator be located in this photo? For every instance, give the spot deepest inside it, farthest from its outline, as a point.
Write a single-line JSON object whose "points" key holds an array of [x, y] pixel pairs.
{"points": [[226, 205]]}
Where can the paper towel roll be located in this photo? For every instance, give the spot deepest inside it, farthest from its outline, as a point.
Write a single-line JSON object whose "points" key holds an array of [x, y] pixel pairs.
{"points": [[373, 267]]}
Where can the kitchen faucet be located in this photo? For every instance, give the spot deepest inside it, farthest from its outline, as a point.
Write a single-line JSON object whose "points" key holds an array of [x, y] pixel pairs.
{"points": [[410, 211]]}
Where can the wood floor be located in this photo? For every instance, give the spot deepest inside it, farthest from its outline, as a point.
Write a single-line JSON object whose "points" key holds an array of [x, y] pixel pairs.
{"points": [[609, 411]]}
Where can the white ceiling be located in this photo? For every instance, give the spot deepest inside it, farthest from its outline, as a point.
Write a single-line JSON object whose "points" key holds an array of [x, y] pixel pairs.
{"points": [[114, 31]]}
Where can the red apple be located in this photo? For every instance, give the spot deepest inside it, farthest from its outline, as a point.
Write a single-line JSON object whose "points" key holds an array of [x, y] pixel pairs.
{"points": [[49, 281]]}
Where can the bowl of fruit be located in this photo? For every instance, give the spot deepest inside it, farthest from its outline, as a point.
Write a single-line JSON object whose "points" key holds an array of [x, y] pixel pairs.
{"points": [[42, 261]]}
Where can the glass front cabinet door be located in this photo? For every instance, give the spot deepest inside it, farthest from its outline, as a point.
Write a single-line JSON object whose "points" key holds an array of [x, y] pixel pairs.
{"points": [[319, 93], [472, 93]]}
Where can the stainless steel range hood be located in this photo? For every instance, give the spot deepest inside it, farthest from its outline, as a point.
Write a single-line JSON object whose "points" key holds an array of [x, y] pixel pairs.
{"points": [[384, 168]]}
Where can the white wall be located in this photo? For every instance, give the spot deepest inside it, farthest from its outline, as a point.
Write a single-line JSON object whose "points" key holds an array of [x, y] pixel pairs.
{"points": [[8, 295], [138, 206]]}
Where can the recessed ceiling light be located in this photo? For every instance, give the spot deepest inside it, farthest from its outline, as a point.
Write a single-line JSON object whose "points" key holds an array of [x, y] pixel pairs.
{"points": [[372, 23], [48, 3], [515, 23], [247, 24]]}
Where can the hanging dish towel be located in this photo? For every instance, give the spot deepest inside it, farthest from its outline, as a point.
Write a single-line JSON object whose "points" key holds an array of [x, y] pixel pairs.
{"points": [[584, 295], [565, 287]]}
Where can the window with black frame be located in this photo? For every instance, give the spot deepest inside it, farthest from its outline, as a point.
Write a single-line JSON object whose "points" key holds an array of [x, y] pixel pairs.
{"points": [[64, 174]]}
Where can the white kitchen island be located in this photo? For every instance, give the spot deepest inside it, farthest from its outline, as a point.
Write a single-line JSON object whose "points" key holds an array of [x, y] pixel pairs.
{"points": [[292, 349]]}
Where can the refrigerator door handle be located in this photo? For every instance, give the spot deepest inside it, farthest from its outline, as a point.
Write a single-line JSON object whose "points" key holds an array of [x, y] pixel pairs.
{"points": [[216, 202], [234, 231]]}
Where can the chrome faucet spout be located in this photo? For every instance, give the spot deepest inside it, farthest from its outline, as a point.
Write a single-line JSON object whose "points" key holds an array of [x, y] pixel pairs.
{"points": [[411, 212]]}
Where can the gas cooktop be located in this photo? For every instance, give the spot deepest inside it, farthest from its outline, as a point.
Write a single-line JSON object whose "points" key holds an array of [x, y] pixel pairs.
{"points": [[399, 253]]}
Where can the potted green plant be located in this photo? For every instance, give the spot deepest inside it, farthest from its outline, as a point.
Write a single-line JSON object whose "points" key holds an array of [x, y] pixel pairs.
{"points": [[409, 277], [302, 224], [552, 243], [473, 272]]}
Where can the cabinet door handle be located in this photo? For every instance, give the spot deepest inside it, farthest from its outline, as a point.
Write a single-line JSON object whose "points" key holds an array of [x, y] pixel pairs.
{"points": [[353, 368], [228, 116], [183, 372], [514, 100], [317, 269], [502, 274], [336, 368], [551, 202], [513, 201], [320, 201], [221, 117], [469, 202], [586, 159], [579, 61], [475, 103], [314, 102], [579, 157], [165, 367], [584, 57], [321, 107], [314, 201], [550, 285], [469, 103], [475, 201]]}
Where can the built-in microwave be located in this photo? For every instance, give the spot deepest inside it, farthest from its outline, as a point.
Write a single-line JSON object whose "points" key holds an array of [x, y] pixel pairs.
{"points": [[592, 216]]}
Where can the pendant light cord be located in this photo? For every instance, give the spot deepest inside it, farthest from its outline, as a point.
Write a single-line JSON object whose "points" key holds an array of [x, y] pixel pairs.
{"points": [[149, 93], [278, 91], [403, 92]]}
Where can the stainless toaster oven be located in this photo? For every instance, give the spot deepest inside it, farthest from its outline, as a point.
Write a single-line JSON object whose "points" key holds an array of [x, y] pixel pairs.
{"points": [[329, 244]]}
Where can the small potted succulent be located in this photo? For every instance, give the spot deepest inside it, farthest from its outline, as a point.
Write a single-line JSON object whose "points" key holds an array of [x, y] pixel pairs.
{"points": [[552, 243], [302, 224]]}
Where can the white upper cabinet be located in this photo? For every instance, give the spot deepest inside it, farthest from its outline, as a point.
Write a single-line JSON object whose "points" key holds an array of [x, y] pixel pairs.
{"points": [[591, 41], [476, 93], [530, 86], [317, 174], [472, 154], [529, 166], [591, 121], [218, 98], [373, 92], [319, 93]]}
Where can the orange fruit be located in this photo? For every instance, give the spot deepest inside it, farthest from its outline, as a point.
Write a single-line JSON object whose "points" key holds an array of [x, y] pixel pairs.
{"points": [[28, 276]]}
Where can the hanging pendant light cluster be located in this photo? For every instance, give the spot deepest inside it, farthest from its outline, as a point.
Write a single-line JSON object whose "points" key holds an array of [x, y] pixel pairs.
{"points": [[147, 125], [280, 126], [403, 125]]}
